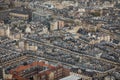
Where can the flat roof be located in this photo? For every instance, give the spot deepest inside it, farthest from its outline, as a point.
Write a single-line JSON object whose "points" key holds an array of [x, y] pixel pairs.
{"points": [[71, 77]]}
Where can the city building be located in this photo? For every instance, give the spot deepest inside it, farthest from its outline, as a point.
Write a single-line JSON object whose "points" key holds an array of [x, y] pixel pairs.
{"points": [[40, 15], [55, 25], [20, 14], [39, 70], [5, 31], [72, 77], [28, 29]]}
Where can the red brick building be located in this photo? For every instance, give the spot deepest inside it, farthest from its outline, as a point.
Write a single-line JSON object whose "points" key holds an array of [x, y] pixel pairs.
{"points": [[39, 71]]}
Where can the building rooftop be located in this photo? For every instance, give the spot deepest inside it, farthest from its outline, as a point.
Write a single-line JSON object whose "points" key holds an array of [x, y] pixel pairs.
{"points": [[71, 77]]}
